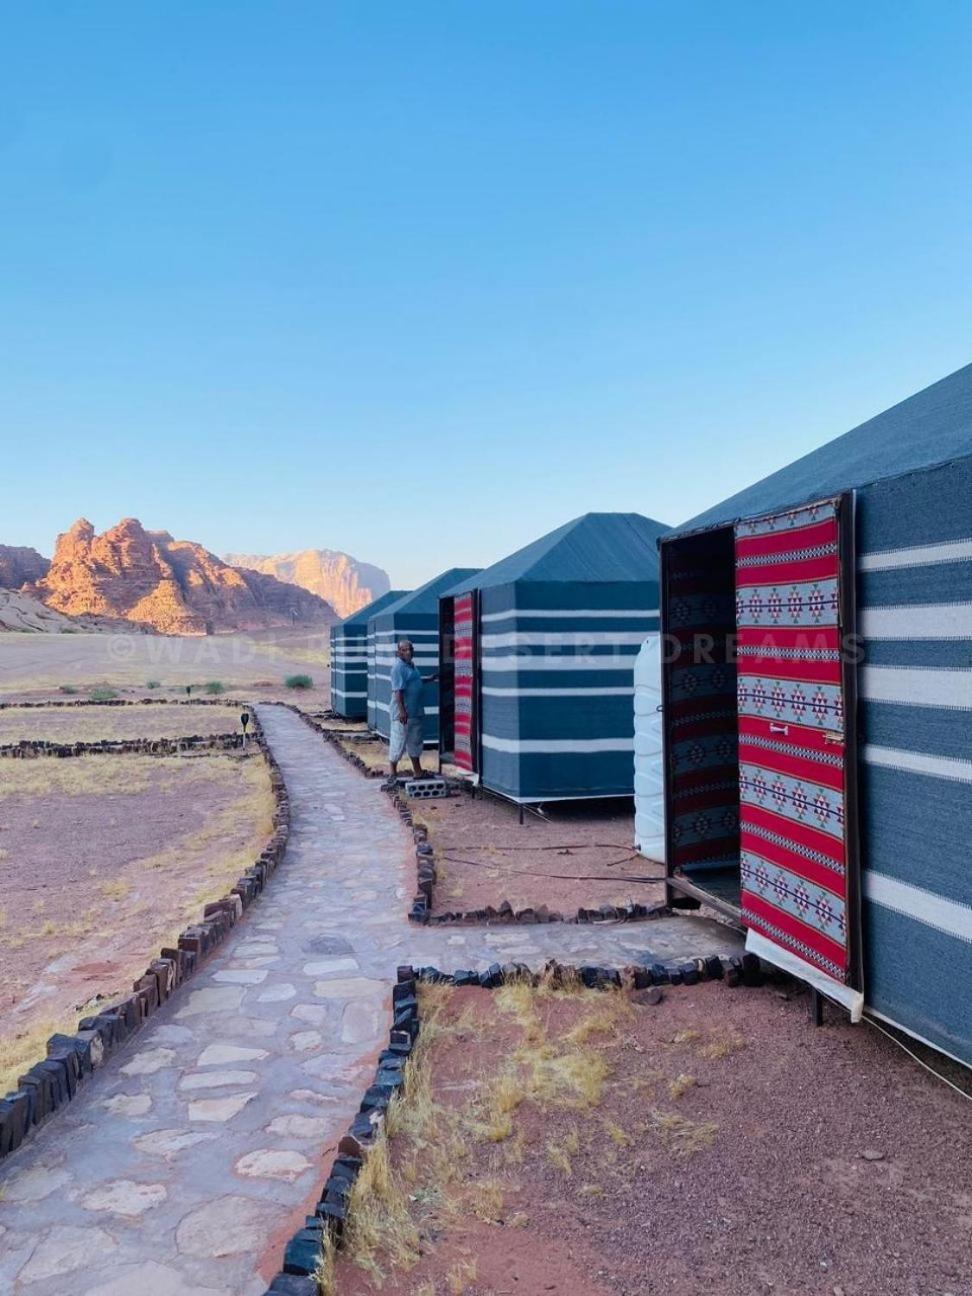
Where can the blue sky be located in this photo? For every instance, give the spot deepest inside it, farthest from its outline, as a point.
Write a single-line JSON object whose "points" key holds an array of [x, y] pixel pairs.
{"points": [[422, 281]]}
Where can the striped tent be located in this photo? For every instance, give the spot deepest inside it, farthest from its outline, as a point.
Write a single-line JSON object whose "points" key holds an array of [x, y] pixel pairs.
{"points": [[415, 616], [538, 685], [819, 755], [349, 658]]}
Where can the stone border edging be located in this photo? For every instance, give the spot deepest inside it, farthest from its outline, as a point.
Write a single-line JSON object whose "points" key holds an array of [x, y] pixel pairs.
{"points": [[426, 875], [304, 1253], [421, 910], [51, 1083], [332, 738], [118, 702], [29, 748]]}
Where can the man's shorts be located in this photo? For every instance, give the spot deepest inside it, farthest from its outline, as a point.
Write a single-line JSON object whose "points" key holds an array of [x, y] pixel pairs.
{"points": [[405, 738]]}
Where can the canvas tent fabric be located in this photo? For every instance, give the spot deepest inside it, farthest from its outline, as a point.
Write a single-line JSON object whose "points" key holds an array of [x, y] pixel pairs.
{"points": [[349, 658], [415, 616], [559, 625], [910, 471]]}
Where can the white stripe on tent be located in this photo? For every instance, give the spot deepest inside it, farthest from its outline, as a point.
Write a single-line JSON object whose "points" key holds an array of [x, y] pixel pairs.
{"points": [[601, 613], [556, 692], [918, 556], [496, 665], [914, 902], [342, 693], [918, 686], [527, 746], [946, 767], [398, 635], [386, 706], [563, 638], [922, 621]]}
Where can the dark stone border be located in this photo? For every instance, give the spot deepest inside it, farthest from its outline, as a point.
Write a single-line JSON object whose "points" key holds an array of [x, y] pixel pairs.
{"points": [[332, 738], [30, 748], [51, 1083], [305, 1250], [117, 702], [426, 877]]}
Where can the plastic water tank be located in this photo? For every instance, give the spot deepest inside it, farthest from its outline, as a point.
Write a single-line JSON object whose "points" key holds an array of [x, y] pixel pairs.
{"points": [[649, 775]]}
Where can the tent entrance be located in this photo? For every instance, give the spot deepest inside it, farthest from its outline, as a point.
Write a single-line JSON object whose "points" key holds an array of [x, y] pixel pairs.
{"points": [[459, 654], [760, 705]]}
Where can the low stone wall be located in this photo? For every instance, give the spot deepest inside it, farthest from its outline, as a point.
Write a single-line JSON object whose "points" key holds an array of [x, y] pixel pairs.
{"points": [[52, 1082], [117, 702], [426, 877], [304, 1253], [30, 748]]}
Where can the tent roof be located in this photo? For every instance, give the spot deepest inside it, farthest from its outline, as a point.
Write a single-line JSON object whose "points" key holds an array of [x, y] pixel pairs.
{"points": [[426, 597], [365, 614], [931, 427], [594, 547]]}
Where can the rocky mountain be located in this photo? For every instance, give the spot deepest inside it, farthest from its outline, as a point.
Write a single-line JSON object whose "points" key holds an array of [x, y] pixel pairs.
{"points": [[337, 577], [18, 565], [173, 586]]}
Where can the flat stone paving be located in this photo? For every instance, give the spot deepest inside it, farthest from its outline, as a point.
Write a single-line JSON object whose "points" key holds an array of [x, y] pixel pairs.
{"points": [[187, 1161]]}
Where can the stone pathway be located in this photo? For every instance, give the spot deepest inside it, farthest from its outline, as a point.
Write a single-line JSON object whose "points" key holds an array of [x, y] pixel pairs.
{"points": [[187, 1161]]}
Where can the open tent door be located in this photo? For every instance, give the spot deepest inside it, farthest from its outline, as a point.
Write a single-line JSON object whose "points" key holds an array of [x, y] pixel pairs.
{"points": [[466, 681], [796, 678]]}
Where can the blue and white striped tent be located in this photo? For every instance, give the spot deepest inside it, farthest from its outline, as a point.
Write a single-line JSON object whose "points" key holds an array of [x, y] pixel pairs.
{"points": [[545, 643], [349, 658], [903, 481], [415, 616]]}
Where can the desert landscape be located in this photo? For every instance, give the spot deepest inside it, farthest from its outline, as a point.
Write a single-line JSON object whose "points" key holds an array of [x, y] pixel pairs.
{"points": [[485, 622]]}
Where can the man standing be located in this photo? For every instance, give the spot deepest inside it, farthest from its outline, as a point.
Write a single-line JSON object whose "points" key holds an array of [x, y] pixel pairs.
{"points": [[407, 713]]}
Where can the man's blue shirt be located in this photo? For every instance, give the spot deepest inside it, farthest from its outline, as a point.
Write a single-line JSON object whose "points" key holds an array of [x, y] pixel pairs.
{"points": [[407, 680]]}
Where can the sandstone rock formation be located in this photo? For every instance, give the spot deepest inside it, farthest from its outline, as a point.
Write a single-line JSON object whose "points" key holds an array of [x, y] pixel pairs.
{"points": [[18, 565], [174, 586], [337, 577]]}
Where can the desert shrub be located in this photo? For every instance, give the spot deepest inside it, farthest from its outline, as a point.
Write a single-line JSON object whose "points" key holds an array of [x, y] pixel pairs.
{"points": [[299, 682], [102, 694], [68, 688], [214, 686], [153, 684]]}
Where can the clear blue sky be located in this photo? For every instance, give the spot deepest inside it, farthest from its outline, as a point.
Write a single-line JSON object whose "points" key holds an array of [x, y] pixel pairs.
{"points": [[422, 281]]}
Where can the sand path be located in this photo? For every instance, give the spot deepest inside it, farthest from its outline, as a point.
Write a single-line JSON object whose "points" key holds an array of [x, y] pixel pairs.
{"points": [[188, 1160]]}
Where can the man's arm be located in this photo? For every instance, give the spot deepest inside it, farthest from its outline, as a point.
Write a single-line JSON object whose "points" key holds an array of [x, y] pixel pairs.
{"points": [[397, 681]]}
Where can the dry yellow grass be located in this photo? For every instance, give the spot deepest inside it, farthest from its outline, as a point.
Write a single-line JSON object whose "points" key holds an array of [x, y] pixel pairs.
{"points": [[244, 818], [92, 724], [450, 1161], [681, 1084]]}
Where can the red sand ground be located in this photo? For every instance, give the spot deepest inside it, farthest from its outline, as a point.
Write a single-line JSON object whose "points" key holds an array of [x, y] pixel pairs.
{"points": [[70, 724], [826, 1162], [579, 854], [102, 863]]}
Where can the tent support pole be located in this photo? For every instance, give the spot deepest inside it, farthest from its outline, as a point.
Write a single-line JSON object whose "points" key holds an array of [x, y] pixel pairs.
{"points": [[816, 1007]]}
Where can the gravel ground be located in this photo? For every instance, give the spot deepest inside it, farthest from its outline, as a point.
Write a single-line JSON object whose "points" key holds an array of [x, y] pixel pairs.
{"points": [[102, 860], [94, 723], [579, 854], [734, 1149]]}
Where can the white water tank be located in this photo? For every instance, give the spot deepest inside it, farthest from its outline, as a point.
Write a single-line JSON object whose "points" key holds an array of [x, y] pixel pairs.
{"points": [[649, 766]]}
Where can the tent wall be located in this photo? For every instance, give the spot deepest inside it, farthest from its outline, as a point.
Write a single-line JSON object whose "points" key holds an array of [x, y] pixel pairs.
{"points": [[913, 581], [387, 629], [556, 686], [914, 592], [349, 659]]}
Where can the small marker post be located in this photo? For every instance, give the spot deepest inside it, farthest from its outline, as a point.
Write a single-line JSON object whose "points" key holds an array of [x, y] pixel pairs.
{"points": [[244, 721]]}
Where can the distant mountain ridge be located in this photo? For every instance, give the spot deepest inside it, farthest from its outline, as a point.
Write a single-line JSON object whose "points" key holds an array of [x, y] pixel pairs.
{"points": [[173, 586], [343, 581], [18, 565]]}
